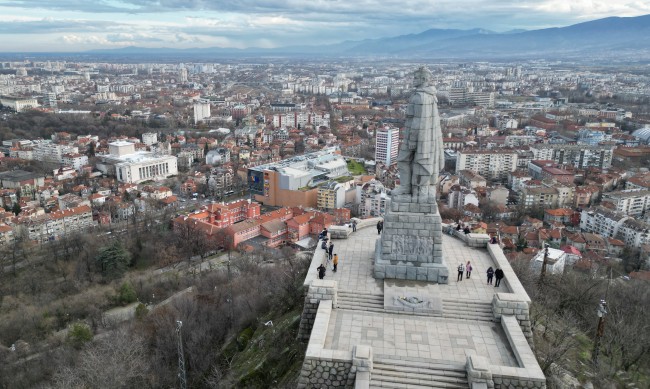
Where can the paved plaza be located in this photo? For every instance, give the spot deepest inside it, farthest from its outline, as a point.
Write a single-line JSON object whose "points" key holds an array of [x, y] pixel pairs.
{"points": [[418, 338], [356, 256], [410, 337]]}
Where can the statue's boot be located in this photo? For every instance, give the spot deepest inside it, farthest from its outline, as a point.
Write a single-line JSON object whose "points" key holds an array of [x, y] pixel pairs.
{"points": [[426, 194]]}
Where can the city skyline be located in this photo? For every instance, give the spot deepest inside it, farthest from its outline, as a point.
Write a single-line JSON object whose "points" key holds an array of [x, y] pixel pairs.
{"points": [[72, 25]]}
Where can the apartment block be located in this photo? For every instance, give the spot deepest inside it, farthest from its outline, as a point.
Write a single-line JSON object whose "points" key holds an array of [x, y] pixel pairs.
{"points": [[602, 221], [74, 160], [387, 146], [51, 226], [331, 196], [470, 179], [542, 197], [52, 152], [459, 197], [634, 233], [491, 164], [580, 156], [633, 202], [301, 119], [372, 199]]}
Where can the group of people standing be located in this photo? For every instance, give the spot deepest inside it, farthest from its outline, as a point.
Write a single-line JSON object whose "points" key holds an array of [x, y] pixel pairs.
{"points": [[497, 274], [467, 268], [328, 246]]}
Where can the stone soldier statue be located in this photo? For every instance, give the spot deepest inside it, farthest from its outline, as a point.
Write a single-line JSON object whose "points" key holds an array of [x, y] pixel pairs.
{"points": [[421, 155]]}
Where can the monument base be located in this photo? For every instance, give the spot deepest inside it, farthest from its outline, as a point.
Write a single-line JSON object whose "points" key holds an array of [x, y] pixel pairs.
{"points": [[410, 247]]}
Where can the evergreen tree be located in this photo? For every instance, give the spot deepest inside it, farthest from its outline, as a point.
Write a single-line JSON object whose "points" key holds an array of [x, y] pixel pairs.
{"points": [[91, 150], [112, 260]]}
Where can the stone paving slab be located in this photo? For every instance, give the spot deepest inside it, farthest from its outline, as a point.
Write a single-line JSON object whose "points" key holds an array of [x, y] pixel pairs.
{"points": [[417, 338]]}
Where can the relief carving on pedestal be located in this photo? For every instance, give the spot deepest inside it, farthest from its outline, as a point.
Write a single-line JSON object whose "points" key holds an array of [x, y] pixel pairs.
{"points": [[412, 245]]}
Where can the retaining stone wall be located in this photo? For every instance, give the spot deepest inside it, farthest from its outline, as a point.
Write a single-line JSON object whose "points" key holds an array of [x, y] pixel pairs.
{"points": [[318, 373], [478, 371], [365, 223], [471, 239], [318, 290], [511, 305], [528, 374], [317, 259], [517, 302], [322, 368], [339, 232]]}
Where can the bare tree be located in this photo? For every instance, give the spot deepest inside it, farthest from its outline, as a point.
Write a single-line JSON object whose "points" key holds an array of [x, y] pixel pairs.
{"points": [[117, 361]]}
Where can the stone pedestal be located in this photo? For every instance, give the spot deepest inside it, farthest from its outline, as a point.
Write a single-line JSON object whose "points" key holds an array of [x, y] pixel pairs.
{"points": [[410, 247]]}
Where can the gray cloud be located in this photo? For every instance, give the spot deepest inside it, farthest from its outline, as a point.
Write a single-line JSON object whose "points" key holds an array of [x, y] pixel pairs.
{"points": [[560, 11], [45, 26], [97, 6]]}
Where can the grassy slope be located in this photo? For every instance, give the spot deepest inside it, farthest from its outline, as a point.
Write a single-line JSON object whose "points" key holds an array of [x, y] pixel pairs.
{"points": [[269, 356]]}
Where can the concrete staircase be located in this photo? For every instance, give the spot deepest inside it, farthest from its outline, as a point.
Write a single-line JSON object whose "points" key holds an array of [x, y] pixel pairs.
{"points": [[360, 301], [468, 310], [452, 308], [396, 373]]}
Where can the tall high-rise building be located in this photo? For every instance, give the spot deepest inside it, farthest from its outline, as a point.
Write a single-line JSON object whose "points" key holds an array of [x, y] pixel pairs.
{"points": [[49, 99], [182, 75], [201, 110], [387, 145]]}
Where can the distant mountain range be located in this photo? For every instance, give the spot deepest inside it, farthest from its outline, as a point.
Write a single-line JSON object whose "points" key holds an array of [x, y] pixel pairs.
{"points": [[609, 37]]}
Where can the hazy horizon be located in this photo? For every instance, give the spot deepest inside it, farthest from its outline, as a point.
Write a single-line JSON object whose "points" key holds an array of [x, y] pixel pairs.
{"points": [[76, 25]]}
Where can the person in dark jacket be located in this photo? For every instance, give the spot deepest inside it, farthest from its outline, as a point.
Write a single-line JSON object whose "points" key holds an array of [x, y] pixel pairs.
{"points": [[498, 275], [321, 271], [330, 251], [380, 226], [490, 274]]}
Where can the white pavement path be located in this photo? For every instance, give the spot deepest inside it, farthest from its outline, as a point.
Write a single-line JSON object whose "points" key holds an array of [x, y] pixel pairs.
{"points": [[415, 337]]}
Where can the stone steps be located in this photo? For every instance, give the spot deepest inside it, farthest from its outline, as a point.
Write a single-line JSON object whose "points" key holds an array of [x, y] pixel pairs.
{"points": [[468, 310], [389, 373], [360, 307], [360, 301]]}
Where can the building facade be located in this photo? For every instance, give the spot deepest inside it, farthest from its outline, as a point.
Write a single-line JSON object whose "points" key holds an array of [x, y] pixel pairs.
{"points": [[491, 164], [387, 145], [633, 202], [331, 196], [578, 156]]}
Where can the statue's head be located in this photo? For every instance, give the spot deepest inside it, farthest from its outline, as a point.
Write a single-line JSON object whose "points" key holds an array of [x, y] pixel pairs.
{"points": [[422, 77]]}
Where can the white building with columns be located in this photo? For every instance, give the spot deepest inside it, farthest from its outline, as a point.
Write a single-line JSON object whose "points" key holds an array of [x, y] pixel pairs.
{"points": [[132, 166]]}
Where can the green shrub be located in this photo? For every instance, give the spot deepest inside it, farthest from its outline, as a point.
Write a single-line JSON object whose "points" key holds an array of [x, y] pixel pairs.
{"points": [[126, 294], [79, 335], [141, 311]]}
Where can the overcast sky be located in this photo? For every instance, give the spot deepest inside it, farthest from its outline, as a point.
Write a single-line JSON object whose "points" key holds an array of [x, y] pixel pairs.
{"points": [[76, 25]]}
